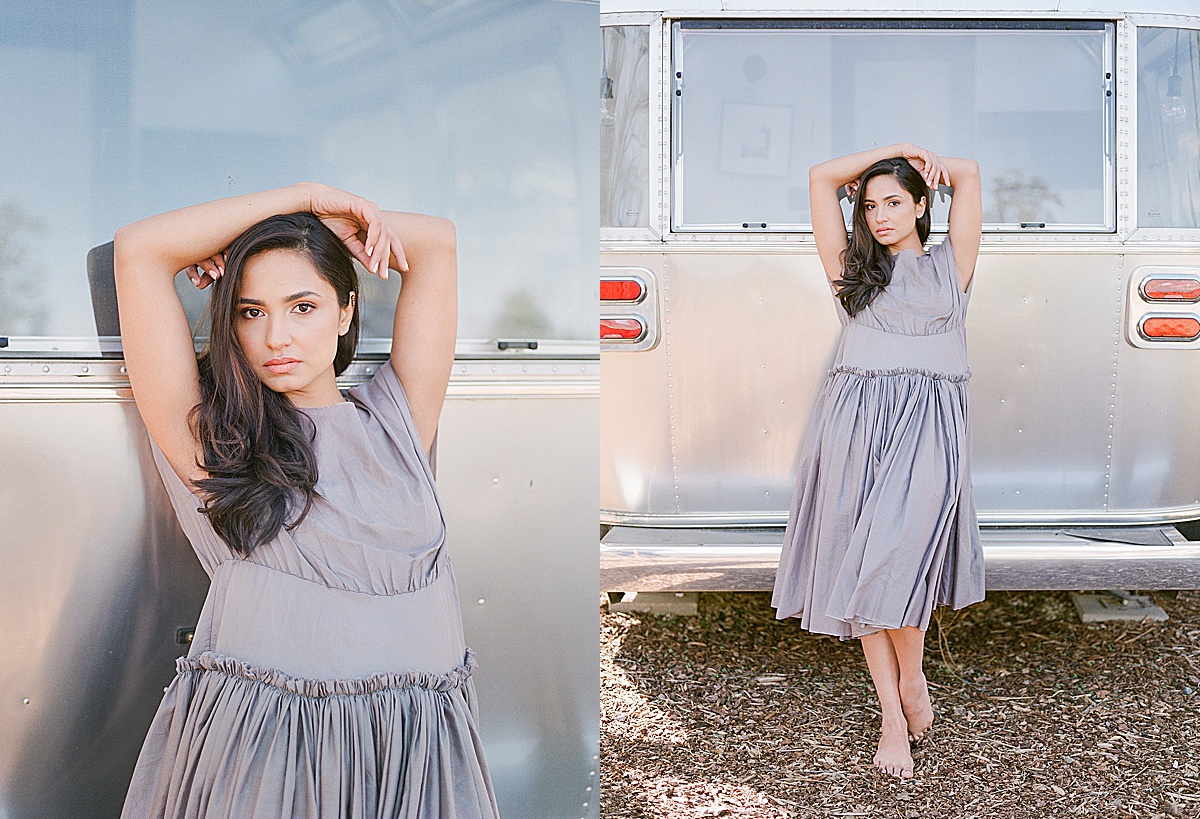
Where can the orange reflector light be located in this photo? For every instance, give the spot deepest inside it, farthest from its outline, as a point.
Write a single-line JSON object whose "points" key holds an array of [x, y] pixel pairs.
{"points": [[621, 290], [621, 329], [1171, 289], [1170, 328]]}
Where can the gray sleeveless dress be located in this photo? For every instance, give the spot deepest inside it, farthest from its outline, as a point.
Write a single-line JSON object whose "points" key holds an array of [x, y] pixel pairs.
{"points": [[328, 675], [882, 526]]}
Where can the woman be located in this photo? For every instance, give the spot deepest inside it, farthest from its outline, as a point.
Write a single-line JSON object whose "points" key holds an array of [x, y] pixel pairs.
{"points": [[328, 675], [883, 525]]}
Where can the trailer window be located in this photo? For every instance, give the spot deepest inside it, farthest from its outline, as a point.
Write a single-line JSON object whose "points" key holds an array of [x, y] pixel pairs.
{"points": [[1168, 136], [105, 120], [624, 126], [759, 103]]}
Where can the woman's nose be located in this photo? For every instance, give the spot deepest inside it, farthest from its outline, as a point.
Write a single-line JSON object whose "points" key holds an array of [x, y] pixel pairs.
{"points": [[278, 334]]}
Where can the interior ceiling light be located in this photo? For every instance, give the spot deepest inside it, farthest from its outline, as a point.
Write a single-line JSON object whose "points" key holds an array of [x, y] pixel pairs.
{"points": [[1173, 109]]}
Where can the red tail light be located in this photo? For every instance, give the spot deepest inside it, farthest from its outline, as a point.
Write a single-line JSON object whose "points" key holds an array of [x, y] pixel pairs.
{"points": [[622, 329], [1170, 328], [1164, 289], [622, 290]]}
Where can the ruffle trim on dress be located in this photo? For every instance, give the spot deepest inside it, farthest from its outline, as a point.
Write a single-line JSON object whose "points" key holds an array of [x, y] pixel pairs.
{"points": [[232, 667], [954, 378]]}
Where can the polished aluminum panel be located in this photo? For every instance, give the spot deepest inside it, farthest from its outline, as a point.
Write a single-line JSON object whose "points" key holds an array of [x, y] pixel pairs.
{"points": [[644, 559], [1070, 421], [98, 580], [518, 482], [1156, 449]]}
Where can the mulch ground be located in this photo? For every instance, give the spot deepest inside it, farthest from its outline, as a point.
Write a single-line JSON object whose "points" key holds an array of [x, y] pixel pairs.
{"points": [[731, 713]]}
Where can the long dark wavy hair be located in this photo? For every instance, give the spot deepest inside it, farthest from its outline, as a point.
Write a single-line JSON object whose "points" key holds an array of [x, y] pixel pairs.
{"points": [[866, 264], [257, 448]]}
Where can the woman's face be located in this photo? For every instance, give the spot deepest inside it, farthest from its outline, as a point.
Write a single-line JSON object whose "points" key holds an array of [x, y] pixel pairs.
{"points": [[891, 213], [288, 323]]}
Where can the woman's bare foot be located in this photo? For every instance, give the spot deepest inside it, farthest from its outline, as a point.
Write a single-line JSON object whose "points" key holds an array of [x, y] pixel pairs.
{"points": [[918, 710], [893, 756]]}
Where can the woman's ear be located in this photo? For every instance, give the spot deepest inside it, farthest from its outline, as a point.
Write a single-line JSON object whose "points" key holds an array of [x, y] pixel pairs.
{"points": [[921, 208], [347, 315]]}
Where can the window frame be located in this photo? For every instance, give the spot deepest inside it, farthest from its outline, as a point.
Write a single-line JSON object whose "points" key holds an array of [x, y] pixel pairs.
{"points": [[656, 159], [1109, 156], [1135, 231]]}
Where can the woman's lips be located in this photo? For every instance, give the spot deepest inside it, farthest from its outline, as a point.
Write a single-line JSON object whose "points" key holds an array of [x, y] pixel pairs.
{"points": [[281, 365]]}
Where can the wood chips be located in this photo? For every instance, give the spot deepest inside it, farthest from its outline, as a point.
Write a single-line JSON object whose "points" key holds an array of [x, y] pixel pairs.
{"points": [[734, 714]]}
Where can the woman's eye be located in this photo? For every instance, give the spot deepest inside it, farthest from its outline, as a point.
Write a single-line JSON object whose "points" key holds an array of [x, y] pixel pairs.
{"points": [[251, 312], [305, 307]]}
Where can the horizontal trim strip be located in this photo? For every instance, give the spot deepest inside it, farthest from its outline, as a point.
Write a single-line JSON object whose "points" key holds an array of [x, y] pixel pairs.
{"points": [[877, 23], [1040, 517]]}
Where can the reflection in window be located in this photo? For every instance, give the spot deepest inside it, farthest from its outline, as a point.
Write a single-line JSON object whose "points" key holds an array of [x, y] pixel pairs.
{"points": [[24, 305], [1168, 138], [625, 126], [760, 105], [103, 122]]}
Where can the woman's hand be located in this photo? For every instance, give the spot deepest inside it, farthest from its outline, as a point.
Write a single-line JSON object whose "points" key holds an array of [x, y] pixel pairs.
{"points": [[359, 223], [927, 164]]}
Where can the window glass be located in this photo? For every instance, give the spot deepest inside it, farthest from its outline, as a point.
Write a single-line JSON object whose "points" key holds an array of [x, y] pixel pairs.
{"points": [[113, 111], [1168, 138], [761, 104], [625, 126]]}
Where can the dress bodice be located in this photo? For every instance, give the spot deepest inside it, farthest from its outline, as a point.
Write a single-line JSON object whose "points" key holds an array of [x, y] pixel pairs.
{"points": [[923, 297]]}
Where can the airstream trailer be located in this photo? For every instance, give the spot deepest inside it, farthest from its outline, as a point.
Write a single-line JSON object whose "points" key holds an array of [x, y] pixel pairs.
{"points": [[105, 117], [1084, 329]]}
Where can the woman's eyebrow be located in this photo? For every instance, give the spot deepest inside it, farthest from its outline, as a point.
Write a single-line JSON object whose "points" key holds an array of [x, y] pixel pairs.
{"points": [[301, 295]]}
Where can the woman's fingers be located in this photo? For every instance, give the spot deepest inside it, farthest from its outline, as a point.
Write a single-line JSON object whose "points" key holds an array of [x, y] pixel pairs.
{"points": [[397, 252], [377, 242], [359, 223], [199, 276], [932, 171], [205, 272], [347, 229]]}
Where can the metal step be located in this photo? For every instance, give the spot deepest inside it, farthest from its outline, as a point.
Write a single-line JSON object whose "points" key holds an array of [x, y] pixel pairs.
{"points": [[638, 558]]}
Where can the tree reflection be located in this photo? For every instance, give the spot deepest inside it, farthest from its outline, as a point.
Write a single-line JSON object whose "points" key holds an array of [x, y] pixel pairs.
{"points": [[523, 318], [1016, 198], [22, 309]]}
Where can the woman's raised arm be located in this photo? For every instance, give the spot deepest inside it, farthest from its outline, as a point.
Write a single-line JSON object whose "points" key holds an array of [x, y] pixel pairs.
{"points": [[157, 343], [426, 321], [966, 215]]}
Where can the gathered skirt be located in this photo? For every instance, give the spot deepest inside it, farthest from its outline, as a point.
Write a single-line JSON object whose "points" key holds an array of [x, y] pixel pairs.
{"points": [[882, 527], [236, 740]]}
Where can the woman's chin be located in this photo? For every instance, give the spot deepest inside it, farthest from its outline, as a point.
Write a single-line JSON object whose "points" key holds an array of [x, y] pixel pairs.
{"points": [[291, 381]]}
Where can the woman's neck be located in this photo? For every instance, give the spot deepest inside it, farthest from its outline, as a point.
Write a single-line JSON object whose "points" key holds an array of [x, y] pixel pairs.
{"points": [[911, 242]]}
